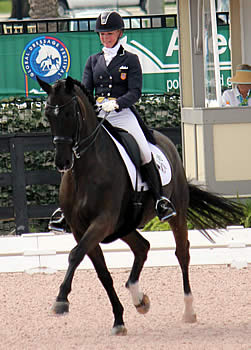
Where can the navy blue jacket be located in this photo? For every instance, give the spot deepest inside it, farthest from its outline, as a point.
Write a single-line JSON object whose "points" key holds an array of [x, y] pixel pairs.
{"points": [[122, 78]]}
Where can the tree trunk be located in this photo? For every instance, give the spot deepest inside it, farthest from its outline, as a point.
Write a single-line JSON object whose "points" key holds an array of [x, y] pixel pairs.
{"points": [[43, 9], [20, 9]]}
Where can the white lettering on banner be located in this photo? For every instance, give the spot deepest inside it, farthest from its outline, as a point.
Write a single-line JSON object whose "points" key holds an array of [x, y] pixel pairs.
{"points": [[222, 80], [229, 84], [46, 57], [173, 44], [223, 45], [172, 85], [221, 42]]}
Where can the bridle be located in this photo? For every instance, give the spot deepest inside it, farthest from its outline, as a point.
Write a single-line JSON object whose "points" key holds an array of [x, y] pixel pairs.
{"points": [[80, 146]]}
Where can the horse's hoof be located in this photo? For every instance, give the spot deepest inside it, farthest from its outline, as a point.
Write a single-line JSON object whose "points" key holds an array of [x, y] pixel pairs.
{"points": [[192, 318], [60, 307], [144, 305], [119, 330]]}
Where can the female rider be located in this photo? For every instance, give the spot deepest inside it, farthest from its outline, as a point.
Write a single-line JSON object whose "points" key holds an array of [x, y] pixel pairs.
{"points": [[116, 77]]}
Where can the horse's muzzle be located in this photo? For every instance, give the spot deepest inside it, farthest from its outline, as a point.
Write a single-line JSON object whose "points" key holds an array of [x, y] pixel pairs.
{"points": [[64, 165], [64, 158]]}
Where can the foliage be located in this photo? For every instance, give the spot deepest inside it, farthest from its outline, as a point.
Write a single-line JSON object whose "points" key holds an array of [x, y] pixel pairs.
{"points": [[5, 6], [156, 225], [160, 111], [246, 221], [22, 115]]}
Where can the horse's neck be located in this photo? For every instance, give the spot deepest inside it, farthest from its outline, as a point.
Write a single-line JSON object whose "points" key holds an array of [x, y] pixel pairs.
{"points": [[90, 124], [89, 119]]}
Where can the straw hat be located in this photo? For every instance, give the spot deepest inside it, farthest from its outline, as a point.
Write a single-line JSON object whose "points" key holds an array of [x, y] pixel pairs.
{"points": [[242, 75]]}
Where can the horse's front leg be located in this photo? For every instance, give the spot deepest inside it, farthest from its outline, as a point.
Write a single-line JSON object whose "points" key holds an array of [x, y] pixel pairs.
{"points": [[140, 247], [91, 238], [97, 258], [76, 255]]}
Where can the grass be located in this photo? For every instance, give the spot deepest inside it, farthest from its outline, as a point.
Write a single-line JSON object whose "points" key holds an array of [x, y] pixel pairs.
{"points": [[5, 6]]}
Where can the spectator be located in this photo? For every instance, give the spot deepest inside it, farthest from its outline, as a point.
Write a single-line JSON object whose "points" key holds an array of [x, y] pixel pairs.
{"points": [[240, 94]]}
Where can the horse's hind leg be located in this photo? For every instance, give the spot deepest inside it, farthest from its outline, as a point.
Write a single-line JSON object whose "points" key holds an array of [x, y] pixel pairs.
{"points": [[104, 275], [183, 256], [140, 247]]}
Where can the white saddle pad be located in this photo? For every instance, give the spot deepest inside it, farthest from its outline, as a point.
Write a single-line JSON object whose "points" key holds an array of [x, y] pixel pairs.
{"points": [[160, 159]]}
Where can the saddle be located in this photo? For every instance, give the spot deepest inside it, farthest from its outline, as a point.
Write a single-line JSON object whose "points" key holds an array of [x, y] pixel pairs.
{"points": [[127, 141]]}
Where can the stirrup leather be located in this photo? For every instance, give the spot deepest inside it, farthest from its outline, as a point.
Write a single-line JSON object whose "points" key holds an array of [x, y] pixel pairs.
{"points": [[165, 209]]}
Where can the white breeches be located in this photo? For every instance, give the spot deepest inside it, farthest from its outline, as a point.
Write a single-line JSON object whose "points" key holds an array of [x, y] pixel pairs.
{"points": [[125, 119]]}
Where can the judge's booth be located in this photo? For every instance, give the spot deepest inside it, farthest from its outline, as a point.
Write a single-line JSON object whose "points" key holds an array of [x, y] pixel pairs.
{"points": [[216, 140]]}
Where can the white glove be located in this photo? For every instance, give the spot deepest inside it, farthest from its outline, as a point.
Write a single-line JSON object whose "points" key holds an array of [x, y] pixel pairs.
{"points": [[110, 106]]}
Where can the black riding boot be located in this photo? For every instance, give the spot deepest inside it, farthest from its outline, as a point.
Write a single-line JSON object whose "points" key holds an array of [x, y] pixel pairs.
{"points": [[57, 221], [164, 207]]}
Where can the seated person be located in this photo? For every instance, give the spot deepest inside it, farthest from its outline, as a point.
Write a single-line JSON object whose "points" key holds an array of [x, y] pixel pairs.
{"points": [[240, 94]]}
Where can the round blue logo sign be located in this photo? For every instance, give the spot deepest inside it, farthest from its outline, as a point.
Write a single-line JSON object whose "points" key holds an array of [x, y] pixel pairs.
{"points": [[46, 57]]}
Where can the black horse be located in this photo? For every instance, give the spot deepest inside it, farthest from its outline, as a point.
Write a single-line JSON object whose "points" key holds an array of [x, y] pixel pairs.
{"points": [[96, 197]]}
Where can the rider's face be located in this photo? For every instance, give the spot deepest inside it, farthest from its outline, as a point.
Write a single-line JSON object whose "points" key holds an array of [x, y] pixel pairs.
{"points": [[109, 39]]}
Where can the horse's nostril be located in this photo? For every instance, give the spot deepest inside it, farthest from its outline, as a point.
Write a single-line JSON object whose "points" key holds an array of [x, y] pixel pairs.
{"points": [[68, 164], [64, 166]]}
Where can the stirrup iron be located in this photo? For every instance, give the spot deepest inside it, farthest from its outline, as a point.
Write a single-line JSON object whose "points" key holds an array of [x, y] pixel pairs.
{"points": [[165, 209], [57, 222]]}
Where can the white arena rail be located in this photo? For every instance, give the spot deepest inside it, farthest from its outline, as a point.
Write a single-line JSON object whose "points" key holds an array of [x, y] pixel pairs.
{"points": [[47, 252]]}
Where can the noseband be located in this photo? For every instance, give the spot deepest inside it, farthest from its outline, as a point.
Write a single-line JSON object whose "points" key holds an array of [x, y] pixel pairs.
{"points": [[79, 145]]}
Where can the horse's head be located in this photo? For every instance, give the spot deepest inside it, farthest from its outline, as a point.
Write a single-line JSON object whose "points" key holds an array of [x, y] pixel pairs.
{"points": [[62, 110]]}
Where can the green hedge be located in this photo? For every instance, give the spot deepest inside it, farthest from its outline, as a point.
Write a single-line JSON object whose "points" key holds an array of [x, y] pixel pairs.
{"points": [[27, 115]]}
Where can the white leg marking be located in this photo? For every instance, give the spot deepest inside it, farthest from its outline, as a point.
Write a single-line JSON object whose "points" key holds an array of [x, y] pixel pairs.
{"points": [[189, 314], [137, 296]]}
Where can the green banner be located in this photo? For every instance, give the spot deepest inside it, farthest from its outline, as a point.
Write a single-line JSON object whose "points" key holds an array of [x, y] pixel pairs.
{"points": [[224, 55], [55, 55]]}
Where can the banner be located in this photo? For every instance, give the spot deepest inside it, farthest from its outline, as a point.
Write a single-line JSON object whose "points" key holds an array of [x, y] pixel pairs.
{"points": [[55, 55]]}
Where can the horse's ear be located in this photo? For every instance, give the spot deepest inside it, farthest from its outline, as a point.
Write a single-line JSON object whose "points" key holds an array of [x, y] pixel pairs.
{"points": [[45, 86], [69, 84]]}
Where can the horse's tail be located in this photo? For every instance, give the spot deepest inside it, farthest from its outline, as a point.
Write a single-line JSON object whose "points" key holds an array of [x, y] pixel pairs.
{"points": [[208, 210]]}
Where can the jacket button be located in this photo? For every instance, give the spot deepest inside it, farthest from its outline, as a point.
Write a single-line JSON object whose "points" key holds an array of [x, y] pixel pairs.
{"points": [[101, 85], [102, 94], [110, 77], [108, 94], [100, 77], [110, 86]]}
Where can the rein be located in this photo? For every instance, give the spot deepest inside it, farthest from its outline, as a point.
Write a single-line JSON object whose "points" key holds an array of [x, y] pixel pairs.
{"points": [[61, 106], [80, 146]]}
